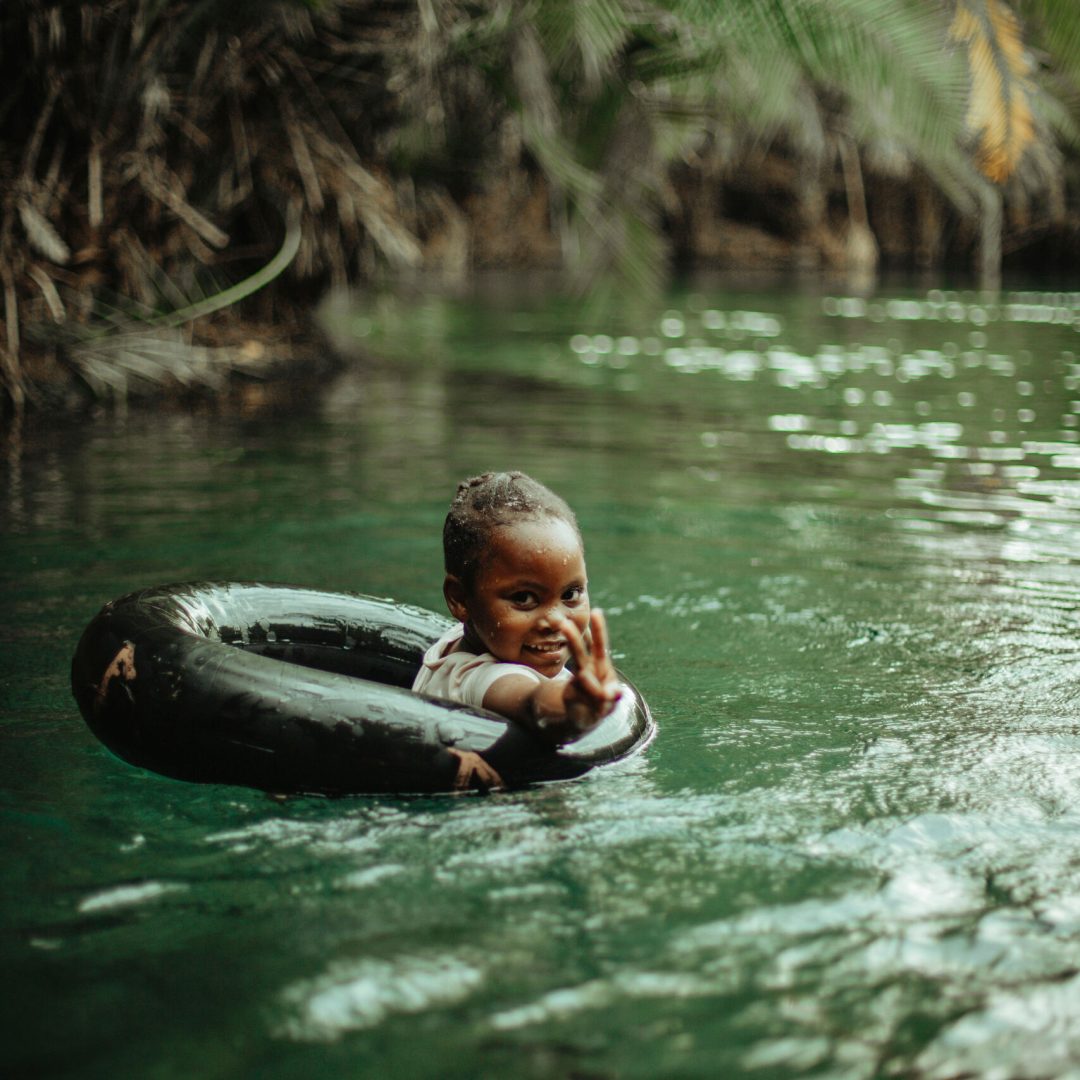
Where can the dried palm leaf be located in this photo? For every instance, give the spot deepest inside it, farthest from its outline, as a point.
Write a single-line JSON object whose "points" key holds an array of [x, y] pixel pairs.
{"points": [[153, 351], [48, 292], [43, 238], [9, 351], [240, 161], [95, 207], [301, 153], [11, 313], [999, 108], [153, 176], [375, 207]]}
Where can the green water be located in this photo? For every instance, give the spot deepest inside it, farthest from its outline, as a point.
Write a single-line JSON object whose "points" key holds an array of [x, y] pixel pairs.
{"points": [[838, 542]]}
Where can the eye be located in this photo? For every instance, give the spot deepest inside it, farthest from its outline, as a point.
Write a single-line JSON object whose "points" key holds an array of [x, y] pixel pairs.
{"points": [[523, 598], [574, 595]]}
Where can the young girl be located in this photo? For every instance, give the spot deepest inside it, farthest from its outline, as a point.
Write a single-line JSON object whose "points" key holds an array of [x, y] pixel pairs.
{"points": [[516, 583]]}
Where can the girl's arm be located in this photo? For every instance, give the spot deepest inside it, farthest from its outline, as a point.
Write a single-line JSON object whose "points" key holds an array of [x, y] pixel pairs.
{"points": [[563, 710]]}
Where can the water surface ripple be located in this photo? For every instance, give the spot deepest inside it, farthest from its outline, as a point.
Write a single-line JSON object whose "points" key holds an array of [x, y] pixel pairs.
{"points": [[838, 542]]}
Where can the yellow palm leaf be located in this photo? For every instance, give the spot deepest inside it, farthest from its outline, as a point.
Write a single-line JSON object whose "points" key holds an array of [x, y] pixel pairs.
{"points": [[999, 110]]}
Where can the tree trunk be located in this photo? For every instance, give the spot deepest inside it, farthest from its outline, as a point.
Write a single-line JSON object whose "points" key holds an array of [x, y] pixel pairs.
{"points": [[989, 251], [862, 249], [929, 230], [811, 206]]}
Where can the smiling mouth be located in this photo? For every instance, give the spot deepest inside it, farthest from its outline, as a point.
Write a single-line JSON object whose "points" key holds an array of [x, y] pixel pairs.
{"points": [[552, 648]]}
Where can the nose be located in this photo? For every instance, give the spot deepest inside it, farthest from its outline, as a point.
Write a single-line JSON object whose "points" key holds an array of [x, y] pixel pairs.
{"points": [[553, 614]]}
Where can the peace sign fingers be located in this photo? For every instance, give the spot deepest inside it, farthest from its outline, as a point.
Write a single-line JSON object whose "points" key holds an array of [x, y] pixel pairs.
{"points": [[578, 648], [595, 677], [601, 655]]}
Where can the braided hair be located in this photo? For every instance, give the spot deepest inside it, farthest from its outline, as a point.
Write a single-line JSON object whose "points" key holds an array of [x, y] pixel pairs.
{"points": [[485, 503]]}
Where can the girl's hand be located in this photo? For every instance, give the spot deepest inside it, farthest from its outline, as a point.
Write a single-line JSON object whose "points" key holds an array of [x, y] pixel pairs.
{"points": [[592, 692], [561, 710]]}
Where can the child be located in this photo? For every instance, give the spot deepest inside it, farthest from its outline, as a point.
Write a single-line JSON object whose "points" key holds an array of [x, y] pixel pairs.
{"points": [[515, 581]]}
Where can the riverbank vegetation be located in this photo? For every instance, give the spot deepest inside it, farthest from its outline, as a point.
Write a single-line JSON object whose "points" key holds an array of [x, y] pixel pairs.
{"points": [[173, 172]]}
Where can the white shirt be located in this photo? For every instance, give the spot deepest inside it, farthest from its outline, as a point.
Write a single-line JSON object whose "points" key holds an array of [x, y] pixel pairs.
{"points": [[464, 676]]}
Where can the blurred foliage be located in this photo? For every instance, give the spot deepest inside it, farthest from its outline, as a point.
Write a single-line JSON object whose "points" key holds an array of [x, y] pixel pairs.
{"points": [[151, 150]]}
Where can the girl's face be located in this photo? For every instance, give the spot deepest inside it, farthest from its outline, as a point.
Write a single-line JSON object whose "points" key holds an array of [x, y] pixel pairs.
{"points": [[533, 577]]}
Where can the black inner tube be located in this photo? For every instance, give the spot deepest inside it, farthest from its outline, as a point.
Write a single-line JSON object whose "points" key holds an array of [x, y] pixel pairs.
{"points": [[297, 690]]}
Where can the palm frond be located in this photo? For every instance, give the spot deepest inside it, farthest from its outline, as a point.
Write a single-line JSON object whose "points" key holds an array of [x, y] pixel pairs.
{"points": [[243, 289], [587, 35], [125, 350], [1057, 26]]}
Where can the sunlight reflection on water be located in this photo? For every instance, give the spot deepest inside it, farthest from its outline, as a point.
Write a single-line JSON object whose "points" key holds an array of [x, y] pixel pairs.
{"points": [[837, 542]]}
